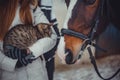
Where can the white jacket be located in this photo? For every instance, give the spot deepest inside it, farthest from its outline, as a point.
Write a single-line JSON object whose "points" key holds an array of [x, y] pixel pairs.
{"points": [[35, 70]]}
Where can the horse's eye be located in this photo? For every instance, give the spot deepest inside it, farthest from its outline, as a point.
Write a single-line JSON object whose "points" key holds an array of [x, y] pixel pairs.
{"points": [[89, 2]]}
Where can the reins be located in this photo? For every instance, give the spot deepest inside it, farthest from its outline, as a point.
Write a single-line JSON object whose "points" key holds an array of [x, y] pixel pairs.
{"points": [[92, 58]]}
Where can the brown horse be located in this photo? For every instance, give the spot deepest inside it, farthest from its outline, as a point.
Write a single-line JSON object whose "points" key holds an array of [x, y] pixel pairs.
{"points": [[90, 23]]}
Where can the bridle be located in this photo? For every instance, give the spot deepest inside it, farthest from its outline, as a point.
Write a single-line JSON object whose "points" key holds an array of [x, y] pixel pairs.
{"points": [[89, 40]]}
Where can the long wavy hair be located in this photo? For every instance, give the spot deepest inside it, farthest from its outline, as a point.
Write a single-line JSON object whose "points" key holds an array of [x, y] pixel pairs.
{"points": [[8, 10]]}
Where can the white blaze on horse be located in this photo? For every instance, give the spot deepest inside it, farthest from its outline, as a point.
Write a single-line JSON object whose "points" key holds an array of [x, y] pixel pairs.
{"points": [[88, 22]]}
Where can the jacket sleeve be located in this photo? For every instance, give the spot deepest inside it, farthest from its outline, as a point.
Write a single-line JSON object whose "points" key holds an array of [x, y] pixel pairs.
{"points": [[7, 63], [43, 45]]}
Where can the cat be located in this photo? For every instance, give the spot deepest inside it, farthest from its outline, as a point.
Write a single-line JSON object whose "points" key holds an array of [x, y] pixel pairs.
{"points": [[23, 36]]}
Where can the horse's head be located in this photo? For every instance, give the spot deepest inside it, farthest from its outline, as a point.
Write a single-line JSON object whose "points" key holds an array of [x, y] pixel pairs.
{"points": [[81, 17]]}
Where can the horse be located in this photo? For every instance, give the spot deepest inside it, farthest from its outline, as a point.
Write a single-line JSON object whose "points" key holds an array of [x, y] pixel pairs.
{"points": [[90, 23]]}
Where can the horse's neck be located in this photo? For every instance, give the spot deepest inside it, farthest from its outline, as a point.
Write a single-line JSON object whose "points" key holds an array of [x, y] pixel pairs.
{"points": [[109, 40]]}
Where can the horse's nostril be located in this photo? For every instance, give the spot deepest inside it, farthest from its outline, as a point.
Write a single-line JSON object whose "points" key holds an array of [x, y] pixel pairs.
{"points": [[69, 56]]}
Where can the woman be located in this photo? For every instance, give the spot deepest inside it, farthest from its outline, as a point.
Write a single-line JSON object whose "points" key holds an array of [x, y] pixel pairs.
{"points": [[13, 12]]}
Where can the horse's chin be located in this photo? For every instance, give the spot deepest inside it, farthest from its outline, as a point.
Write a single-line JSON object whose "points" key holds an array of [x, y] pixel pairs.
{"points": [[64, 59]]}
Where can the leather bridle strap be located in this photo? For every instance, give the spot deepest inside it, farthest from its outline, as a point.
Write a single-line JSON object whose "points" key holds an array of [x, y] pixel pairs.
{"points": [[96, 68], [73, 33]]}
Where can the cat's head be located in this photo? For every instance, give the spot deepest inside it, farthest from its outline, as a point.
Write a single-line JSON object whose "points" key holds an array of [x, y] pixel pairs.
{"points": [[44, 29]]}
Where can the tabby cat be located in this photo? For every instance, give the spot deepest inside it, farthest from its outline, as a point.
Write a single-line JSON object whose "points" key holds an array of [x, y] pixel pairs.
{"points": [[23, 36]]}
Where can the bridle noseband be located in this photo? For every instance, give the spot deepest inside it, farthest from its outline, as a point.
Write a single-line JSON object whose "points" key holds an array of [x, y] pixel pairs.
{"points": [[73, 33]]}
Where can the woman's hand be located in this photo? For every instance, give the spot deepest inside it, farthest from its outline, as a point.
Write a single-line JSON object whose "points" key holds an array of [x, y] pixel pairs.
{"points": [[24, 56]]}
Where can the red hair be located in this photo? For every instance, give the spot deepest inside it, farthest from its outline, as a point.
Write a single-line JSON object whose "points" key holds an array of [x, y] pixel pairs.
{"points": [[8, 10]]}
